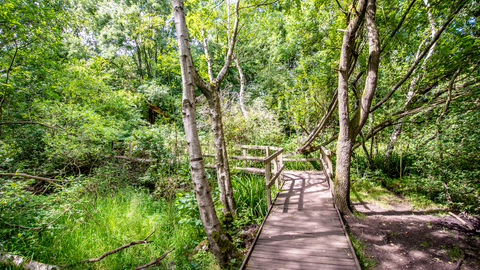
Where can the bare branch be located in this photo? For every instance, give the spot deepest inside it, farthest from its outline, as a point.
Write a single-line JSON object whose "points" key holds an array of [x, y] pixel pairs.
{"points": [[414, 65], [398, 25], [144, 241], [231, 45], [50, 181], [154, 262]]}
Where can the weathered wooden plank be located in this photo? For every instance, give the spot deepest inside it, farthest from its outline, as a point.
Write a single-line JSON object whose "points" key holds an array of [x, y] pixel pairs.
{"points": [[288, 251], [281, 264], [339, 259], [303, 230], [272, 156], [302, 159]]}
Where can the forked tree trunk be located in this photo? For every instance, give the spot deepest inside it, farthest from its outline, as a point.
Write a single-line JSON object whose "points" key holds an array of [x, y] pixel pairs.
{"points": [[211, 91], [223, 249], [344, 144], [221, 157], [349, 129]]}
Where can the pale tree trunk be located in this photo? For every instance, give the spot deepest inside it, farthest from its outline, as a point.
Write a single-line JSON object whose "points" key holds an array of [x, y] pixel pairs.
{"points": [[221, 157], [411, 89], [223, 249], [349, 129], [211, 91], [242, 86]]}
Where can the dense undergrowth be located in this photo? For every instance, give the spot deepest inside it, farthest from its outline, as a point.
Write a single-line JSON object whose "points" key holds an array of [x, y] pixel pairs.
{"points": [[106, 210]]}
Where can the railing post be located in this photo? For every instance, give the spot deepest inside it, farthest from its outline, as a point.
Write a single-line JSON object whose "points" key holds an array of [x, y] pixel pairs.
{"points": [[267, 179], [275, 169], [244, 155], [281, 165]]}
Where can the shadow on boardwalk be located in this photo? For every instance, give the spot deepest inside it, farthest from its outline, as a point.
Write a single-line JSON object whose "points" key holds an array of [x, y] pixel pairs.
{"points": [[303, 230]]}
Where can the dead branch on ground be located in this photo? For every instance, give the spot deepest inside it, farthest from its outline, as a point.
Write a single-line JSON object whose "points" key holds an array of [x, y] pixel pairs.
{"points": [[144, 241], [154, 262]]}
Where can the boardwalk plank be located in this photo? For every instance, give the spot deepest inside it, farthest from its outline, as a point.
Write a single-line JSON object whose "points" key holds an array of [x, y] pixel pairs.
{"points": [[303, 230]]}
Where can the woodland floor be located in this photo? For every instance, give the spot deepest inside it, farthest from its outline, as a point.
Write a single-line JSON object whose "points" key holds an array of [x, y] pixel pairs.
{"points": [[397, 236]]}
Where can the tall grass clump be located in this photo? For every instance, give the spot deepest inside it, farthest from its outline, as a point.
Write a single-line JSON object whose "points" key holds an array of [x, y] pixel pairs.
{"points": [[113, 219]]}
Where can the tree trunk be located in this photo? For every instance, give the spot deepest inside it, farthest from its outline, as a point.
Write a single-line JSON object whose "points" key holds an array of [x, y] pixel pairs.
{"points": [[344, 144], [349, 129], [411, 89], [242, 86], [139, 56], [211, 91], [221, 157], [223, 249]]}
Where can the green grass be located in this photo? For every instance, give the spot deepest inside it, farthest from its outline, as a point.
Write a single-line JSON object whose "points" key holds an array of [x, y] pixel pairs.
{"points": [[128, 215], [371, 190], [359, 246], [249, 193]]}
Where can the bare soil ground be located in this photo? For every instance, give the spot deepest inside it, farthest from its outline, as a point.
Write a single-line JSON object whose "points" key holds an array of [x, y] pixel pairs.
{"points": [[397, 236]]}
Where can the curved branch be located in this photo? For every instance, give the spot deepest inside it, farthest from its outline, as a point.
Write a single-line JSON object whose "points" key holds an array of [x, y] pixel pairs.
{"points": [[231, 45], [144, 241], [50, 181], [156, 261], [424, 52]]}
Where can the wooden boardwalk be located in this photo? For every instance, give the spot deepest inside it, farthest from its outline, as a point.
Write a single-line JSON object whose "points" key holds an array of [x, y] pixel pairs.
{"points": [[303, 229]]}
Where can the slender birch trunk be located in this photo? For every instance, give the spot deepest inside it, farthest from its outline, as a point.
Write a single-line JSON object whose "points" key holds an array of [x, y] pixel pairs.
{"points": [[211, 91], [242, 86], [411, 89], [221, 158], [223, 249]]}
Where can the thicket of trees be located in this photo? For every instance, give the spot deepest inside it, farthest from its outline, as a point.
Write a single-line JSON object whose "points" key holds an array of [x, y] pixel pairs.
{"points": [[395, 84]]}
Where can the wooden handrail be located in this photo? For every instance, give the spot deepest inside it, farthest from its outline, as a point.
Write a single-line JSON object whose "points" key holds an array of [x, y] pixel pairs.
{"points": [[274, 155], [327, 167], [258, 147], [302, 159], [278, 165], [275, 177]]}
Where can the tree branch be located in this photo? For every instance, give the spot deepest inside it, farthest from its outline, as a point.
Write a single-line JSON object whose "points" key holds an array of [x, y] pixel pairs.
{"points": [[398, 25], [231, 45], [50, 181], [144, 241], [414, 65], [156, 261]]}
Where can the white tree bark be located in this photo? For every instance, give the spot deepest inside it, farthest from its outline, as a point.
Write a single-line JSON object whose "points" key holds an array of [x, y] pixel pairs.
{"points": [[211, 91], [223, 249], [242, 86]]}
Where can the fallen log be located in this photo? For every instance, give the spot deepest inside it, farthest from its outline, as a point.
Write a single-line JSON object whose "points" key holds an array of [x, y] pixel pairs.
{"points": [[24, 263], [461, 220]]}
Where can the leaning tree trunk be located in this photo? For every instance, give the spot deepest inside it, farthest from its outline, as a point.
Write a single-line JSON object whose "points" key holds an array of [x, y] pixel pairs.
{"points": [[223, 249], [221, 157]]}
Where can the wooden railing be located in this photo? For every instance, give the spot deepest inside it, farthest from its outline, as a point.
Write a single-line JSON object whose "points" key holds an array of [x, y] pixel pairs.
{"points": [[326, 159], [271, 177]]}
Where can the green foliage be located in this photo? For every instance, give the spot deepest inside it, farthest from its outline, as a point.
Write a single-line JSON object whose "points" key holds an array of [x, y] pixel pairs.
{"points": [[359, 245], [249, 193], [123, 216]]}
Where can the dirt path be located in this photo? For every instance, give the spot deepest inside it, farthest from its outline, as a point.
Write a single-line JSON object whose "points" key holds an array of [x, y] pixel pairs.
{"points": [[400, 237]]}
